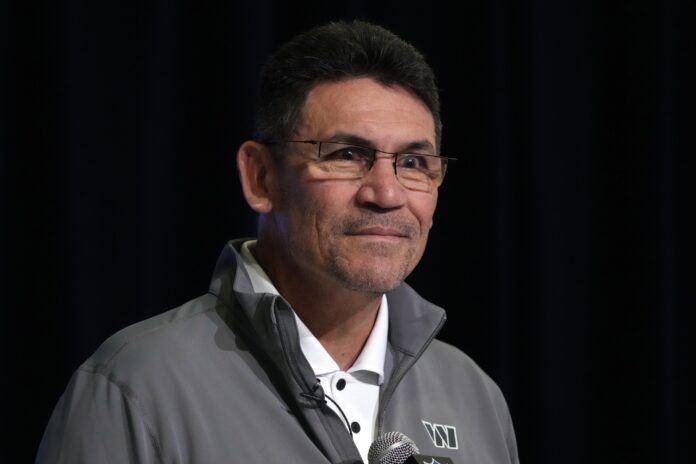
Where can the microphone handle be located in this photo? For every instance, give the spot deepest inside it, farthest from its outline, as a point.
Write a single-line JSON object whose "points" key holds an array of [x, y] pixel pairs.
{"points": [[427, 459]]}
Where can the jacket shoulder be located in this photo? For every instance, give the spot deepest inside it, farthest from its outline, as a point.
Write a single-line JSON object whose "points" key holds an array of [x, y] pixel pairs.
{"points": [[153, 341]]}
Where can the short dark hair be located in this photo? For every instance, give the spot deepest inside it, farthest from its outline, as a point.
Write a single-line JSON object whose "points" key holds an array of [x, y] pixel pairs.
{"points": [[331, 53]]}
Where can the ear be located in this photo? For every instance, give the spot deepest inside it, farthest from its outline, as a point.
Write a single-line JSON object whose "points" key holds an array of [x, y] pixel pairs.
{"points": [[257, 175]]}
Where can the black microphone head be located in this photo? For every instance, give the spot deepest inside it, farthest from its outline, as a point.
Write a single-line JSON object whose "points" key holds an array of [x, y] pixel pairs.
{"points": [[391, 448]]}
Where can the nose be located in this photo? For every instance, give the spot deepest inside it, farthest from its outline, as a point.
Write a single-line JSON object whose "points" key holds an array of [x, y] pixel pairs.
{"points": [[380, 186]]}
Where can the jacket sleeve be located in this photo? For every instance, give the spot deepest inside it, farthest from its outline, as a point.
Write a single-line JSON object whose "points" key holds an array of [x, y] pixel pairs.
{"points": [[97, 420], [509, 430], [511, 441]]}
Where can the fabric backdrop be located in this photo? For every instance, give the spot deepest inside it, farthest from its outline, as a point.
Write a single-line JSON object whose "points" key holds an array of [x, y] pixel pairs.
{"points": [[562, 249]]}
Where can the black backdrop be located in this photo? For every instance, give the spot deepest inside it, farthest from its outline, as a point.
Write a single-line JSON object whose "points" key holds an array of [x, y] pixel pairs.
{"points": [[562, 247]]}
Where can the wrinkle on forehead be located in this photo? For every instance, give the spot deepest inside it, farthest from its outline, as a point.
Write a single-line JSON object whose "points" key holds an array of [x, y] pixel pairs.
{"points": [[388, 115]]}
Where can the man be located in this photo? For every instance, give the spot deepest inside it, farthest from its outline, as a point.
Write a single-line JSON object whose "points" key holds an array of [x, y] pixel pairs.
{"points": [[308, 344]]}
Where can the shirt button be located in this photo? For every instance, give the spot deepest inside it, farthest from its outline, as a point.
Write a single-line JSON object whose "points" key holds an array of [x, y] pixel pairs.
{"points": [[341, 384], [355, 427]]}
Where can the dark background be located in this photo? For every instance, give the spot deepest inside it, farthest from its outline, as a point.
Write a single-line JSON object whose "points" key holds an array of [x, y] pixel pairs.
{"points": [[562, 249]]}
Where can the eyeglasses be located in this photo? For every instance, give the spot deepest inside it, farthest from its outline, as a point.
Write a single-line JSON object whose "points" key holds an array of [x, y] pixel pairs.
{"points": [[340, 160]]}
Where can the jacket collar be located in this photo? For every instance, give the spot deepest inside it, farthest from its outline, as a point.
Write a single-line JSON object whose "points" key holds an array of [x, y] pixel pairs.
{"points": [[413, 321]]}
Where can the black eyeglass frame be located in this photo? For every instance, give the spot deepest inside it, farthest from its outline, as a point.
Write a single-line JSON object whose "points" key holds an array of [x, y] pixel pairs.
{"points": [[374, 152]]}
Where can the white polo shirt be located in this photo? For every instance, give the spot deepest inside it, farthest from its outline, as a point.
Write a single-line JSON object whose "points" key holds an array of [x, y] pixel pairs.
{"points": [[355, 390]]}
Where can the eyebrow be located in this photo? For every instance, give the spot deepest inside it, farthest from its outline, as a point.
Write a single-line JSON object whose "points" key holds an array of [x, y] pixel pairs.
{"points": [[345, 137]]}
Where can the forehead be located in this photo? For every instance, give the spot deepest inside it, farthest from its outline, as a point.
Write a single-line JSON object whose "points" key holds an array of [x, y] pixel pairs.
{"points": [[361, 106]]}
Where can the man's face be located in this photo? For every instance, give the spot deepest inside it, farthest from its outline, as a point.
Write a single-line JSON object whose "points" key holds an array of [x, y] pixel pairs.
{"points": [[364, 234]]}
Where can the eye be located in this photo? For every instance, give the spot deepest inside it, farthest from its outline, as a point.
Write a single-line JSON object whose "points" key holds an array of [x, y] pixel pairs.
{"points": [[347, 153], [410, 161]]}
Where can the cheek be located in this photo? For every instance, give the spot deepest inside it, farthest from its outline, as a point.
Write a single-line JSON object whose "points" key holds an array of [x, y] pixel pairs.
{"points": [[311, 218], [329, 204], [424, 209]]}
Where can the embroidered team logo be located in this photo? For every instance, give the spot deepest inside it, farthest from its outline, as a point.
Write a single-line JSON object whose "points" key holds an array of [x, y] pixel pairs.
{"points": [[443, 436]]}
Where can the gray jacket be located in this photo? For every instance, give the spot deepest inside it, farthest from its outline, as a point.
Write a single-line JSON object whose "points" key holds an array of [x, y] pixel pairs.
{"points": [[222, 379]]}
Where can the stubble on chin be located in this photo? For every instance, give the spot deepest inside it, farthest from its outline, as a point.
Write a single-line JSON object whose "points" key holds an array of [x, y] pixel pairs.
{"points": [[371, 275]]}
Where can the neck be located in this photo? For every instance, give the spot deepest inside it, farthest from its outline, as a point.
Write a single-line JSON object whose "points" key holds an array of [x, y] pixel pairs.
{"points": [[341, 319]]}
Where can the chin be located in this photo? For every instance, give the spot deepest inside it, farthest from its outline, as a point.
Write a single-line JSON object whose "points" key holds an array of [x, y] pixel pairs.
{"points": [[377, 287], [370, 277]]}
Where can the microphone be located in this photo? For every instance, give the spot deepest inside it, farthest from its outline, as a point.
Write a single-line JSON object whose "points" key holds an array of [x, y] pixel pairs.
{"points": [[397, 448]]}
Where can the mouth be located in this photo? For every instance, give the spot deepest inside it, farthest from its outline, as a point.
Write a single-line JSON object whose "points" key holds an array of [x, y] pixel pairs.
{"points": [[379, 232]]}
